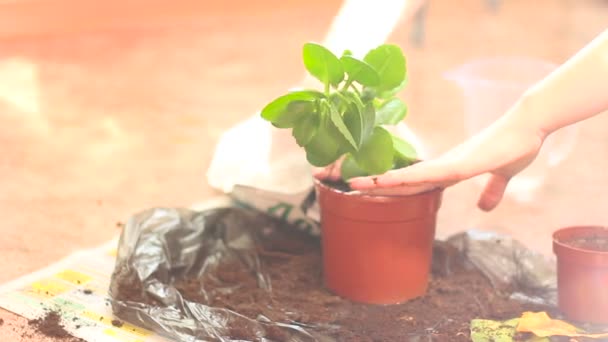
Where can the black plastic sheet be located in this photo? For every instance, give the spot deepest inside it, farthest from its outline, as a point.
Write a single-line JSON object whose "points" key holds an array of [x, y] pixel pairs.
{"points": [[160, 246]]}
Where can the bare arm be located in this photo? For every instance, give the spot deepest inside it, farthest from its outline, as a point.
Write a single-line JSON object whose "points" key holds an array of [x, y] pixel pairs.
{"points": [[575, 91]]}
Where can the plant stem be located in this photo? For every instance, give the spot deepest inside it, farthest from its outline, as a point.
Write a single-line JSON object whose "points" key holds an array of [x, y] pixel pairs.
{"points": [[347, 84], [342, 96], [327, 89], [356, 90]]}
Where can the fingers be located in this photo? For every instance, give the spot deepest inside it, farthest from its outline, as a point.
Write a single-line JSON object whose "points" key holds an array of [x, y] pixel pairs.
{"points": [[335, 172], [493, 192], [320, 172], [437, 172], [330, 172]]}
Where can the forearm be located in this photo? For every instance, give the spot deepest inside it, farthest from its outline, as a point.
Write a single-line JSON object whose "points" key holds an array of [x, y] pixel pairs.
{"points": [[575, 91]]}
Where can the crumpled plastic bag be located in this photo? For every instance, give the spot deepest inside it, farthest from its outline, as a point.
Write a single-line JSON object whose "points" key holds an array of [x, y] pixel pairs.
{"points": [[505, 260], [160, 246]]}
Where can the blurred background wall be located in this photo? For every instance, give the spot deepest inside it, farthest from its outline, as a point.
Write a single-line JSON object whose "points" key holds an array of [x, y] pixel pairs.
{"points": [[118, 107]]}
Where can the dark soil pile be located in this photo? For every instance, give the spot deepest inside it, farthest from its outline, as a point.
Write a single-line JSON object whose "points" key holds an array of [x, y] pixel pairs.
{"points": [[50, 325], [117, 323], [457, 294]]}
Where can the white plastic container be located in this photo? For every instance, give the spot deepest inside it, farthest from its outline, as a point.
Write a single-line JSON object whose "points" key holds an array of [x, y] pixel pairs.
{"points": [[490, 87]]}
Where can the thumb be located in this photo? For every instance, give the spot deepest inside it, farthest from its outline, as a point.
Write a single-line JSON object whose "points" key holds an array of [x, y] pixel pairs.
{"points": [[493, 192]]}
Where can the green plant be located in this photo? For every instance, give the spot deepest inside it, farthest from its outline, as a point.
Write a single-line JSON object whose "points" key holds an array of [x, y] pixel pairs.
{"points": [[348, 117]]}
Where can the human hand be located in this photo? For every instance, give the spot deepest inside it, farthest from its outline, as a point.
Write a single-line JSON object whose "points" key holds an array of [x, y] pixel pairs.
{"points": [[503, 150], [331, 172]]}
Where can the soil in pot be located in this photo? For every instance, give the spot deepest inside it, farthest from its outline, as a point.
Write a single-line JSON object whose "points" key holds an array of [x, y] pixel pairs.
{"points": [[338, 185], [456, 295], [592, 243], [582, 271]]}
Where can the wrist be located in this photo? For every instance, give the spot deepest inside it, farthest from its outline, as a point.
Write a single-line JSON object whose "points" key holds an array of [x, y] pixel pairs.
{"points": [[526, 115]]}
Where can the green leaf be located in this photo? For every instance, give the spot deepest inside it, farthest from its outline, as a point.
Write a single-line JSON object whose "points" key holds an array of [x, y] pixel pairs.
{"points": [[322, 64], [483, 330], [359, 71], [350, 169], [354, 122], [368, 118], [347, 53], [275, 110], [391, 112], [323, 149], [375, 156], [294, 111], [306, 128], [405, 153], [388, 60], [387, 94], [368, 95], [338, 122], [359, 118], [354, 99]]}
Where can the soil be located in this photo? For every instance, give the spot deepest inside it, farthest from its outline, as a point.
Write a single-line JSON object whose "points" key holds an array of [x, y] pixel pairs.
{"points": [[117, 323], [50, 325], [457, 294], [338, 185], [593, 243]]}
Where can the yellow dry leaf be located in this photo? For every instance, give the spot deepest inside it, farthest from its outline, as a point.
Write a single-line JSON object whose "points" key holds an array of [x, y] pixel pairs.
{"points": [[540, 324]]}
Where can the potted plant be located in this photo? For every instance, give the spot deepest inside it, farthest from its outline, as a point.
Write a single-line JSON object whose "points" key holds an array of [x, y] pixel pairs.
{"points": [[376, 249], [582, 272]]}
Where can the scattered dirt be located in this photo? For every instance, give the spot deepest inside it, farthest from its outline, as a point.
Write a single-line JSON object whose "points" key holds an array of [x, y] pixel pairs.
{"points": [[87, 291], [50, 325], [1, 322], [117, 323], [593, 243]]}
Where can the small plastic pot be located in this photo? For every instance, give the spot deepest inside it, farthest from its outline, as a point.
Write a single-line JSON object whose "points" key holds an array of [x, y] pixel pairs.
{"points": [[377, 249], [582, 273]]}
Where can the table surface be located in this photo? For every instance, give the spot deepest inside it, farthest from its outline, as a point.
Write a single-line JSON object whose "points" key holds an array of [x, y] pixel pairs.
{"points": [[97, 126]]}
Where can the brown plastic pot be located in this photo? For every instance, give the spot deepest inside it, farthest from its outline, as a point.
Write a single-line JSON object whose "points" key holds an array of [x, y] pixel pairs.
{"points": [[377, 249], [582, 274]]}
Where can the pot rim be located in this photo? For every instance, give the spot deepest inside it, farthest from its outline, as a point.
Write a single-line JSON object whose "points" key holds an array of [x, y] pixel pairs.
{"points": [[579, 231], [372, 197]]}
